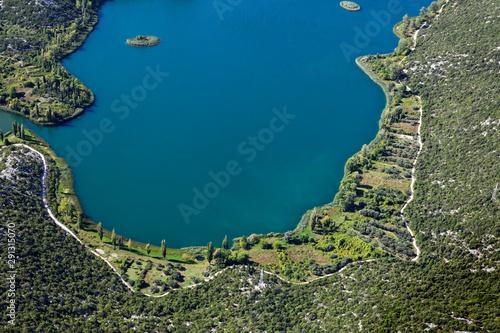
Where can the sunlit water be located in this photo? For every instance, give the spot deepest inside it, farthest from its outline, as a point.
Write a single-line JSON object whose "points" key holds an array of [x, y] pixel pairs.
{"points": [[250, 128]]}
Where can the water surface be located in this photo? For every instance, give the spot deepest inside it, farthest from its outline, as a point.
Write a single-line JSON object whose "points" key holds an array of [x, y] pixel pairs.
{"points": [[139, 158]]}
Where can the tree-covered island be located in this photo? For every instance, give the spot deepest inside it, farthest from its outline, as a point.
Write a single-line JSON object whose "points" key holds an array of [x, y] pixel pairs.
{"points": [[143, 41]]}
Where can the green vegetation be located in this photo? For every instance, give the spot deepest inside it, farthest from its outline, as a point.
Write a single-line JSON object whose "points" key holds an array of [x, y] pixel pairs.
{"points": [[349, 5], [33, 39], [143, 41], [455, 213], [66, 207]]}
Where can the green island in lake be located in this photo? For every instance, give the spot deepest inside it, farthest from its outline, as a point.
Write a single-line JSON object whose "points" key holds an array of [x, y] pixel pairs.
{"points": [[143, 41], [349, 5]]}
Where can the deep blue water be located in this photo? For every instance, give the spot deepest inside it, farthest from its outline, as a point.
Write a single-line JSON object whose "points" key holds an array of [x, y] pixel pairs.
{"points": [[158, 138]]}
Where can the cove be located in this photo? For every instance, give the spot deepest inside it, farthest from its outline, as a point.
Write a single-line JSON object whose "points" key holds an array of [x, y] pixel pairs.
{"points": [[196, 112]]}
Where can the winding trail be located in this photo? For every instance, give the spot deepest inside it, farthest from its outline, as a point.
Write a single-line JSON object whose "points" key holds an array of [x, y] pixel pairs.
{"points": [[413, 179], [418, 30], [68, 231], [321, 277], [61, 225]]}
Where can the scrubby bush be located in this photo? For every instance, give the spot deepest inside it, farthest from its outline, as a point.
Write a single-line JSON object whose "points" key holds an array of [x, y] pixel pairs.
{"points": [[277, 245], [139, 283], [176, 276], [244, 243], [265, 244], [253, 239]]}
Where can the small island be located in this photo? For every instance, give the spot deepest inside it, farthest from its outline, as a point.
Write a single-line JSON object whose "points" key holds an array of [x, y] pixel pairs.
{"points": [[143, 41], [349, 5]]}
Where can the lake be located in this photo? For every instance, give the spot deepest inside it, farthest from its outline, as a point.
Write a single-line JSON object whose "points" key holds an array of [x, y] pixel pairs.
{"points": [[239, 121]]}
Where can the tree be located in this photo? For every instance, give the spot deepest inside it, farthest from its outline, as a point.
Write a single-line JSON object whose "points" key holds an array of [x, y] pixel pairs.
{"points": [[288, 236], [129, 244], [243, 243], [220, 257], [403, 48], [138, 283], [225, 243], [434, 7], [79, 221], [100, 232], [22, 132], [1, 135], [12, 92], [14, 128], [242, 257], [113, 238], [312, 219], [210, 252], [163, 249], [148, 249], [364, 150], [423, 12], [265, 244], [253, 239]]}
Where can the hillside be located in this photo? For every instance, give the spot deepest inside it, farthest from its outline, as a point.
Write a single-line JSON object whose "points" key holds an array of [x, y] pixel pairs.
{"points": [[455, 214]]}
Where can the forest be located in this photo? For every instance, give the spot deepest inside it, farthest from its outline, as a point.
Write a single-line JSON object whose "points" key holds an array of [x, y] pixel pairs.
{"points": [[455, 214]]}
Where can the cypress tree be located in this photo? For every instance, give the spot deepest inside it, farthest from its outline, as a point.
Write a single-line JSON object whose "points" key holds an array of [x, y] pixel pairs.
{"points": [[163, 249], [129, 244], [225, 243], [22, 132], [79, 221], [1, 135], [113, 238], [100, 232], [14, 128], [210, 252], [148, 249]]}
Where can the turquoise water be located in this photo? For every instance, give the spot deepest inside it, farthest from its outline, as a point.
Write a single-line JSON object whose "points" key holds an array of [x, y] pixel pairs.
{"points": [[140, 161]]}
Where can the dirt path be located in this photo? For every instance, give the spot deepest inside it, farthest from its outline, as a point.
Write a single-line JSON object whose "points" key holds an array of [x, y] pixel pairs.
{"points": [[62, 226], [320, 277], [413, 178], [68, 231], [418, 30]]}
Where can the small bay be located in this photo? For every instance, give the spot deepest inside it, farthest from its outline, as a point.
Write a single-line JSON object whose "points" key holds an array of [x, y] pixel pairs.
{"points": [[153, 141]]}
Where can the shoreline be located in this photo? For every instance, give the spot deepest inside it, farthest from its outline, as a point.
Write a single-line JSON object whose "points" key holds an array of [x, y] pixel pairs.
{"points": [[300, 226], [302, 223], [60, 54]]}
